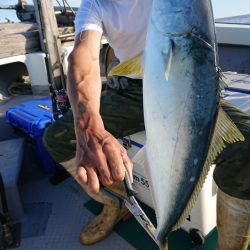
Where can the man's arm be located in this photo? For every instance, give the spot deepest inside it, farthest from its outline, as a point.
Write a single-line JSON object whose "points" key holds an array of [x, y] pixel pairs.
{"points": [[99, 156]]}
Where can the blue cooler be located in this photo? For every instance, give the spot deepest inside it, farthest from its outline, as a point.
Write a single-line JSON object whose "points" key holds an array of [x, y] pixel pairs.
{"points": [[31, 118]]}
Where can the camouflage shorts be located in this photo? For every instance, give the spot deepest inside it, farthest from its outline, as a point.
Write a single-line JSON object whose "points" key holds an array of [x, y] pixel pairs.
{"points": [[122, 113]]}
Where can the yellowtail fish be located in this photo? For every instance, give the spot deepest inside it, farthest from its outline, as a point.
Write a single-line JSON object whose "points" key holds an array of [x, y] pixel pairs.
{"points": [[186, 128]]}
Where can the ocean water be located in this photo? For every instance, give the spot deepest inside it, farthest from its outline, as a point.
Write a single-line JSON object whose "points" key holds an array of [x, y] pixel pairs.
{"points": [[8, 15]]}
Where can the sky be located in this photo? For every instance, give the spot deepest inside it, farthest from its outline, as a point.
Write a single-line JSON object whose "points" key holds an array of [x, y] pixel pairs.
{"points": [[221, 8]]}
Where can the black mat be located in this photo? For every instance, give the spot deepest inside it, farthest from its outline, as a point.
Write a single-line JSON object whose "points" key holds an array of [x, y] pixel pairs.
{"points": [[36, 218]]}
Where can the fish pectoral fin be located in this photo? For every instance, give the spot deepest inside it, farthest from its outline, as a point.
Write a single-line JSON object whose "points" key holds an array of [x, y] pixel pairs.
{"points": [[225, 131], [168, 56], [133, 66]]}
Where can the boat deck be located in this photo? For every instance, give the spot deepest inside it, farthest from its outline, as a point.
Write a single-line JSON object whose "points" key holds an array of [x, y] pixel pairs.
{"points": [[55, 214]]}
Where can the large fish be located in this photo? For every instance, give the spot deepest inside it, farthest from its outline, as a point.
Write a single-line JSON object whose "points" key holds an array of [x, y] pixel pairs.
{"points": [[185, 126]]}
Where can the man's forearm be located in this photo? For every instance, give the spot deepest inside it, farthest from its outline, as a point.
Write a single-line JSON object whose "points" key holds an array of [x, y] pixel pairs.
{"points": [[99, 156], [84, 81], [84, 90]]}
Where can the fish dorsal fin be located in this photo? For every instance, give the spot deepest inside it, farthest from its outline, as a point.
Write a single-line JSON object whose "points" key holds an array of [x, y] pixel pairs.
{"points": [[131, 67], [168, 56], [225, 131]]}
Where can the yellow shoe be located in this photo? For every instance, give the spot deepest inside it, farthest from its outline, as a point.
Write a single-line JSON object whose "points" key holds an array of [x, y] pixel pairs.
{"points": [[102, 225]]}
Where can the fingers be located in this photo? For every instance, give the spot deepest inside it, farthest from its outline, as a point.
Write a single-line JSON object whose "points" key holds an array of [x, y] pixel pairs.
{"points": [[115, 161], [93, 181], [103, 169], [100, 161], [88, 176], [81, 176], [127, 163]]}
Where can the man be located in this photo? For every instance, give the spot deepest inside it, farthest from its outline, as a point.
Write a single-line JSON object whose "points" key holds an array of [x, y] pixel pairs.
{"points": [[99, 120], [99, 156]]}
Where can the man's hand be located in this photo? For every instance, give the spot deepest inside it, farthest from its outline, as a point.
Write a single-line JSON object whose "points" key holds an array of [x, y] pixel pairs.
{"points": [[99, 157]]}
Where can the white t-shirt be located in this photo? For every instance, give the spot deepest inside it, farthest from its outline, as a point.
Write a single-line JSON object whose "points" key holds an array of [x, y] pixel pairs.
{"points": [[122, 22]]}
